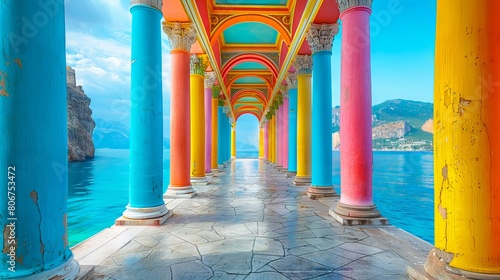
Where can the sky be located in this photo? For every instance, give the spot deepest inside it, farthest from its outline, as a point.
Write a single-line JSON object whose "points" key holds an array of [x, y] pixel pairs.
{"points": [[98, 48]]}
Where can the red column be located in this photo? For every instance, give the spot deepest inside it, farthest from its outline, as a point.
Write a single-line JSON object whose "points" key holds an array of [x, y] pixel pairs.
{"points": [[181, 37], [356, 201]]}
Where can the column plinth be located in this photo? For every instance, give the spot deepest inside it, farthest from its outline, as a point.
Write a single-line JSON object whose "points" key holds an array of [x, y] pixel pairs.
{"points": [[181, 36]]}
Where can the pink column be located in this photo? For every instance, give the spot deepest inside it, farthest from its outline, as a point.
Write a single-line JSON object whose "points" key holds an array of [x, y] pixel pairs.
{"points": [[356, 113], [209, 82], [266, 141], [279, 159], [284, 139]]}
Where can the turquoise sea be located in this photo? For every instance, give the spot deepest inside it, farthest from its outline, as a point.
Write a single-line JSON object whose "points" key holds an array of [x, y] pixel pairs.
{"points": [[402, 187]]}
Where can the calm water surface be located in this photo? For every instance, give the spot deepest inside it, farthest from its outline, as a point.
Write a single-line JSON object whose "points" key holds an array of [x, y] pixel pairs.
{"points": [[402, 187]]}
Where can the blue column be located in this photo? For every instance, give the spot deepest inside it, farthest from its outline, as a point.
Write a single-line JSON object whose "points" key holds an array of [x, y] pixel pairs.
{"points": [[33, 142], [322, 120], [292, 130], [146, 117], [221, 146]]}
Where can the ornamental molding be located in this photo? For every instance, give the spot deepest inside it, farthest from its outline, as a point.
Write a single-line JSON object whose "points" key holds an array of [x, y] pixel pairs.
{"points": [[291, 80], [180, 35], [198, 64], [347, 4], [303, 64], [320, 36], [153, 3], [209, 79]]}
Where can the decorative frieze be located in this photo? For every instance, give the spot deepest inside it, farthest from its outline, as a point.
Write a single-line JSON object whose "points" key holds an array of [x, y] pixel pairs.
{"points": [[320, 36], [209, 79], [153, 3], [180, 35], [303, 64], [198, 64], [346, 4], [291, 80]]}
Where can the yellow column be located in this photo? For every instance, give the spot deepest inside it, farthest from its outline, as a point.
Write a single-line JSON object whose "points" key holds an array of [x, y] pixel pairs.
{"points": [[261, 142], [273, 139], [198, 66], [215, 127], [303, 64], [467, 140], [233, 141]]}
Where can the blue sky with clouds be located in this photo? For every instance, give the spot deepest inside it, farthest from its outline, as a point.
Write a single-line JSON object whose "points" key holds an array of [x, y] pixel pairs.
{"points": [[98, 47]]}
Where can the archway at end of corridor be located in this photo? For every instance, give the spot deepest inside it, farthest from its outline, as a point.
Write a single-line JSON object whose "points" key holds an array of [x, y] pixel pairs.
{"points": [[247, 137]]}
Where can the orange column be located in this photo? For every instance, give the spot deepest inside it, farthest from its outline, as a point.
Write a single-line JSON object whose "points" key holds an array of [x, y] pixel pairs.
{"points": [[215, 128], [181, 37]]}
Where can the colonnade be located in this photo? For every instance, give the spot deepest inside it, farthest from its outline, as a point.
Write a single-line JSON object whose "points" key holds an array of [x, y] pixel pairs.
{"points": [[33, 133]]}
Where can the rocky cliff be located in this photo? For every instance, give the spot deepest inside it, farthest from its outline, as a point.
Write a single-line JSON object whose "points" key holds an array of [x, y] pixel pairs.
{"points": [[428, 126], [80, 122], [391, 130]]}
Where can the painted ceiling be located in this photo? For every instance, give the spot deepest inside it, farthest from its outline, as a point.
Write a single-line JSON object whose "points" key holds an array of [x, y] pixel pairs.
{"points": [[251, 44]]}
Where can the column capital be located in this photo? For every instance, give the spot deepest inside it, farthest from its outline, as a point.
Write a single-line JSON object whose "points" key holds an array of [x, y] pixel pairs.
{"points": [[284, 91], [216, 91], [320, 36], [226, 109], [153, 3], [291, 80], [180, 35], [198, 64], [347, 4], [210, 80], [303, 64]]}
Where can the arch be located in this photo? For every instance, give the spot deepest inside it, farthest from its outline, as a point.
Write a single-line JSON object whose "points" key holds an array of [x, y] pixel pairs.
{"points": [[272, 22], [249, 93], [234, 79], [239, 114], [250, 57]]}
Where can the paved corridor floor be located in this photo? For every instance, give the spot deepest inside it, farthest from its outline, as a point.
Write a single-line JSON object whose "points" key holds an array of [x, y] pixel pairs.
{"points": [[251, 223]]}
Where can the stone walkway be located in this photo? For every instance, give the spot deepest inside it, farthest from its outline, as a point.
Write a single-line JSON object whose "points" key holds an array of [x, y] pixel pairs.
{"points": [[251, 223]]}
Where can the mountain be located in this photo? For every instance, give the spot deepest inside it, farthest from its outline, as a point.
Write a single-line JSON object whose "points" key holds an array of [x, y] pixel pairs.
{"points": [[397, 124], [115, 135], [245, 147]]}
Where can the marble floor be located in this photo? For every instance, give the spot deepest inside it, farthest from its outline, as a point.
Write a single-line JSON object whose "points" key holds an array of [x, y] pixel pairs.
{"points": [[251, 223]]}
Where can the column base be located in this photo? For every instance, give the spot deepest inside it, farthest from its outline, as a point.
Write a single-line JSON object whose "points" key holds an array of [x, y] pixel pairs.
{"points": [[68, 270], [199, 181], [179, 192], [437, 266], [215, 171], [302, 181], [134, 213], [291, 174], [123, 221], [358, 215], [319, 192], [221, 166]]}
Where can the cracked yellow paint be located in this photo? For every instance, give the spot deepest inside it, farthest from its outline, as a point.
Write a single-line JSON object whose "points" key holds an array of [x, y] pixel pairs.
{"points": [[467, 134]]}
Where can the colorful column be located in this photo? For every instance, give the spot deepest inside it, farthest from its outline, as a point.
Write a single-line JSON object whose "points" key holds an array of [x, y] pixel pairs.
{"points": [[181, 36], [303, 66], [466, 141], [271, 140], [266, 140], [34, 145], [233, 141], [320, 39], [356, 203], [221, 141], [215, 128], [209, 82], [292, 123], [261, 141], [279, 135], [284, 139], [146, 118]]}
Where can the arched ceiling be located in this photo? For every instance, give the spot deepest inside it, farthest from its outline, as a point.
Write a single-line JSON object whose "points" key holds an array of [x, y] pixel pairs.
{"points": [[251, 44]]}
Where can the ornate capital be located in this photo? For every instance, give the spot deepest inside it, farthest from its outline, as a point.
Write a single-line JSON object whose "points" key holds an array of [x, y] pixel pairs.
{"points": [[198, 64], [303, 64], [284, 91], [226, 109], [291, 80], [153, 3], [320, 36], [216, 91], [209, 79], [346, 4], [180, 35]]}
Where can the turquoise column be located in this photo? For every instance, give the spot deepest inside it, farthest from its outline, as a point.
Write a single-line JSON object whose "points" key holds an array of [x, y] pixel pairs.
{"points": [[33, 142], [221, 144], [146, 117], [320, 39], [292, 122]]}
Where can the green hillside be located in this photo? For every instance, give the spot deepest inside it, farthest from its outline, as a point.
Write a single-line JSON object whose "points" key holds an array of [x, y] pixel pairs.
{"points": [[414, 113]]}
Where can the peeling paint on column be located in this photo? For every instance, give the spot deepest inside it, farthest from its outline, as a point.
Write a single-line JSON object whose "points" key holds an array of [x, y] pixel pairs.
{"points": [[3, 81], [65, 225], [461, 106]]}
